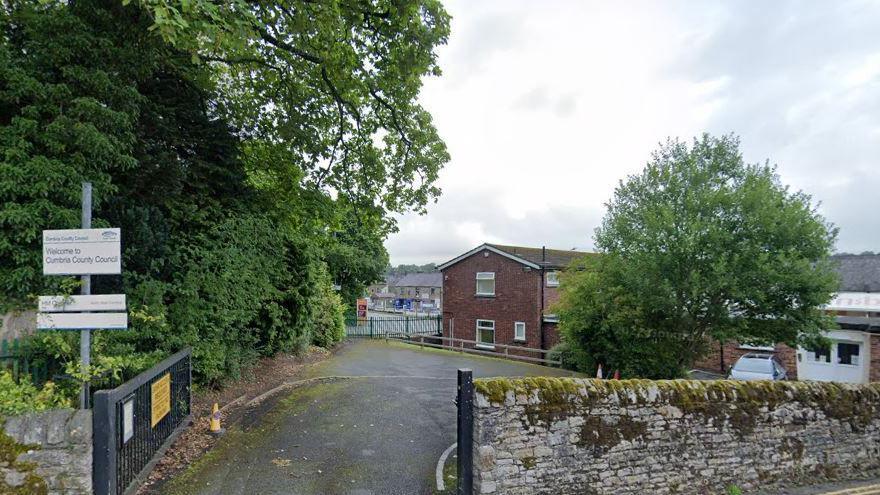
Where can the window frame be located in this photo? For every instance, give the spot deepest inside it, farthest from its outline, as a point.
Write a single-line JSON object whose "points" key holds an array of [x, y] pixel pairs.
{"points": [[515, 336], [480, 344], [858, 356], [813, 356], [555, 274], [485, 276]]}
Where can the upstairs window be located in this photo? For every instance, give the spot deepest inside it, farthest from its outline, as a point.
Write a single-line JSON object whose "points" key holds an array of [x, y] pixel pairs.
{"points": [[519, 331], [485, 283], [552, 279]]}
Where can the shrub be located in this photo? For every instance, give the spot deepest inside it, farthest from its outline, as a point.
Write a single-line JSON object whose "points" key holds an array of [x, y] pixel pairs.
{"points": [[22, 396], [329, 317]]}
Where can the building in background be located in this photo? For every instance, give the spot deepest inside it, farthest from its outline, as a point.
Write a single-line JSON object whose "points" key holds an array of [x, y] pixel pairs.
{"points": [[854, 353], [419, 292], [408, 293], [496, 294]]}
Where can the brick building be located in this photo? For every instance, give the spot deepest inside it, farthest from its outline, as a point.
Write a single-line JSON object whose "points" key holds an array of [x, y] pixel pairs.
{"points": [[495, 294], [854, 354]]}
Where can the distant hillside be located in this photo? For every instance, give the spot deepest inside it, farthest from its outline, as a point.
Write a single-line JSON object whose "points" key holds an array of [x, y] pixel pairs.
{"points": [[400, 270]]}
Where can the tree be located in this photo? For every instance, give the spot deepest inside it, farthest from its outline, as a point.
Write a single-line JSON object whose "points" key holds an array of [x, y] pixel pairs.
{"points": [[699, 247], [224, 241], [333, 85]]}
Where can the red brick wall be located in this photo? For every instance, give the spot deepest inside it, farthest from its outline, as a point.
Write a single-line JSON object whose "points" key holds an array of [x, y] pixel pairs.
{"points": [[517, 298], [551, 295], [875, 359], [732, 351], [551, 335]]}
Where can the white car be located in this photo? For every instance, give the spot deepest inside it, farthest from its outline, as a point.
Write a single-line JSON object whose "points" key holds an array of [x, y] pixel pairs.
{"points": [[757, 367]]}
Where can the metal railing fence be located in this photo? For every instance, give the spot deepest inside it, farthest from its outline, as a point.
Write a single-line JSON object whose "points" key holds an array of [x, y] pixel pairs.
{"points": [[135, 422]]}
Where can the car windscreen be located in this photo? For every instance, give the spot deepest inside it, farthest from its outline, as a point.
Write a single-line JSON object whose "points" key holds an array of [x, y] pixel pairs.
{"points": [[754, 365]]}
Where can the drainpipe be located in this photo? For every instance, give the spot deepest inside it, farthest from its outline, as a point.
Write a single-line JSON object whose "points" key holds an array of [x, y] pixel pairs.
{"points": [[541, 281]]}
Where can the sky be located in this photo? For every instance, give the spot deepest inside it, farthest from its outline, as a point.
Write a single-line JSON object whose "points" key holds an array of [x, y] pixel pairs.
{"points": [[546, 106]]}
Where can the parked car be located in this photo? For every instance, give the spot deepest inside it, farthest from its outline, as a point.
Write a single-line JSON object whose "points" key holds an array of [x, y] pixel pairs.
{"points": [[757, 367]]}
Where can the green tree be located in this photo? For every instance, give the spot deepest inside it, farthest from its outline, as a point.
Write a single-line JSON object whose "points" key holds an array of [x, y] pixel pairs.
{"points": [[333, 85], [699, 247]]}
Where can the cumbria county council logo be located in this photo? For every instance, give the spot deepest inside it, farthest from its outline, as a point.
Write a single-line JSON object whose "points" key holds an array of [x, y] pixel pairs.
{"points": [[109, 235]]}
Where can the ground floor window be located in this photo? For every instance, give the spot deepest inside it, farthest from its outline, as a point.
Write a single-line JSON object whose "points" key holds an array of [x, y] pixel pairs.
{"points": [[848, 353], [519, 331], [820, 355], [486, 333]]}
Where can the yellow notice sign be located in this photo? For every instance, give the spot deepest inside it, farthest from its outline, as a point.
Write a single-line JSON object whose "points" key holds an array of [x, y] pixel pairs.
{"points": [[160, 398]]}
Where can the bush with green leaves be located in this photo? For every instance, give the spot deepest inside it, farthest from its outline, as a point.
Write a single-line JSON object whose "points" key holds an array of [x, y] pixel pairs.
{"points": [[236, 220], [18, 397], [699, 247]]}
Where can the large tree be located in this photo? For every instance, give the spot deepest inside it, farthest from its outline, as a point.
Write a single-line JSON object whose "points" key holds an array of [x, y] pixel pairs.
{"points": [[252, 153], [700, 247], [332, 84]]}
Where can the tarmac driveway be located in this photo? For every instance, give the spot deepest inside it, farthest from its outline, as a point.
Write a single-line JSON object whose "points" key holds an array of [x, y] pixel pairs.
{"points": [[378, 429]]}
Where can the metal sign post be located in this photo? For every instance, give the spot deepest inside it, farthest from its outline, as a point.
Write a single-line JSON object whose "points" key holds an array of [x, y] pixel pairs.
{"points": [[85, 335], [84, 252]]}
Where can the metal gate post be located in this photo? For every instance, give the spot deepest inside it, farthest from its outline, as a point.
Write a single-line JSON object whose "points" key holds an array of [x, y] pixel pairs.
{"points": [[465, 447], [371, 328], [103, 445]]}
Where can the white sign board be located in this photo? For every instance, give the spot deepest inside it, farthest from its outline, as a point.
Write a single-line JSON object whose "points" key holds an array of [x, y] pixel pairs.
{"points": [[855, 301], [127, 420], [82, 321], [102, 302], [82, 252]]}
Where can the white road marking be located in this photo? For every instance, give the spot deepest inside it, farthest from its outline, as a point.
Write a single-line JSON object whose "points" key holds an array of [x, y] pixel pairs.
{"points": [[441, 483]]}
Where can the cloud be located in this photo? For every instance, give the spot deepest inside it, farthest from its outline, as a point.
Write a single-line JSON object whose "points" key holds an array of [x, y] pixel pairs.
{"points": [[463, 220], [539, 98], [544, 110]]}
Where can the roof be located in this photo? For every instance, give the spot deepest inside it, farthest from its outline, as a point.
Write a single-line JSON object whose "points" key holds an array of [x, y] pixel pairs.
{"points": [[552, 258], [858, 272], [529, 256], [430, 279], [859, 323], [392, 279]]}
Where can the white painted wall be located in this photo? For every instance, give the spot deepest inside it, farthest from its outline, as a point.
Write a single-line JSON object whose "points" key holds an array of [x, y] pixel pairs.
{"points": [[809, 368]]}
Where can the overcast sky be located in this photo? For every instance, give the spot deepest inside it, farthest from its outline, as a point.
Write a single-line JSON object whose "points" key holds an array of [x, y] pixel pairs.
{"points": [[545, 106]]}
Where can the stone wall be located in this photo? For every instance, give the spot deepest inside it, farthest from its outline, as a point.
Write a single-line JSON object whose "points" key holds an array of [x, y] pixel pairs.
{"points": [[16, 324], [48, 452], [568, 435]]}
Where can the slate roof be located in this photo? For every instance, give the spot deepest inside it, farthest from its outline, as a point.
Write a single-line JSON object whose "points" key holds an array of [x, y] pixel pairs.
{"points": [[550, 258], [430, 279], [858, 272]]}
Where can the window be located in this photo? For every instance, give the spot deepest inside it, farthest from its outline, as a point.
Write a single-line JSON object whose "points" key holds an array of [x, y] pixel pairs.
{"points": [[848, 353], [486, 334], [552, 279], [519, 331], [485, 283], [821, 355]]}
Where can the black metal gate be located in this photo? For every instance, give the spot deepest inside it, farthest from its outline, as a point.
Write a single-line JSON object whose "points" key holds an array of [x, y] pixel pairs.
{"points": [[135, 421]]}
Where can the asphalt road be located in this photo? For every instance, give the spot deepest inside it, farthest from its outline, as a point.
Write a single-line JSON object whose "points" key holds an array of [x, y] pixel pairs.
{"points": [[380, 431]]}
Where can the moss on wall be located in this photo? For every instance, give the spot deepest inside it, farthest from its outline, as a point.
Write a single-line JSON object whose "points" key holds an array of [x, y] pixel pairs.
{"points": [[736, 404], [9, 452]]}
